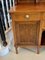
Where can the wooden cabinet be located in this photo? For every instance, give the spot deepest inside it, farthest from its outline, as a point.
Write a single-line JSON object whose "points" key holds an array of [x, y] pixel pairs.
{"points": [[28, 22]]}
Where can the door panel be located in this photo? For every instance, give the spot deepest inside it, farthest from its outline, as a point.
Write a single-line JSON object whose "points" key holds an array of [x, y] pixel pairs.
{"points": [[26, 32]]}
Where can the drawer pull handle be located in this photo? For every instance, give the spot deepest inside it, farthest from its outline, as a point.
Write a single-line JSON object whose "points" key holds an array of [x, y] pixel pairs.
{"points": [[27, 16]]}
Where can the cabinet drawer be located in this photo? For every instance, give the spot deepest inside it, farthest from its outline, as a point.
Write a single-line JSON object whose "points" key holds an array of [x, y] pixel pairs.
{"points": [[27, 16]]}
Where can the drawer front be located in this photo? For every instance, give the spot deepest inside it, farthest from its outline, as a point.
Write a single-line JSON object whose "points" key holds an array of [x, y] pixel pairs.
{"points": [[27, 16]]}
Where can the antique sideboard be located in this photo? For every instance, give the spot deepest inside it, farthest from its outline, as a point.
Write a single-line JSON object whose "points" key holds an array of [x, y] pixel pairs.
{"points": [[28, 23]]}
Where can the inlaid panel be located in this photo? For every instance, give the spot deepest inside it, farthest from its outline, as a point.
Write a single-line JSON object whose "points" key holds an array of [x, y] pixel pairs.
{"points": [[26, 32]]}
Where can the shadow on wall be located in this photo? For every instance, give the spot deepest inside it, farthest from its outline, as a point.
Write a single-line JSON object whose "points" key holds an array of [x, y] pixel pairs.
{"points": [[43, 38]]}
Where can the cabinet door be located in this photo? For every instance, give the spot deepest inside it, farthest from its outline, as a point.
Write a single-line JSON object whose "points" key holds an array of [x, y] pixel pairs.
{"points": [[27, 32]]}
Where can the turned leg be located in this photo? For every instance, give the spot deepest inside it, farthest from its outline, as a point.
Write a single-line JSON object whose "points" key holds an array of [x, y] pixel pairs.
{"points": [[37, 49], [16, 49]]}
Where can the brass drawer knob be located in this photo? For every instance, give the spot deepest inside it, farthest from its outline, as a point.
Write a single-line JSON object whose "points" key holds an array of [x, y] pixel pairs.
{"points": [[27, 16]]}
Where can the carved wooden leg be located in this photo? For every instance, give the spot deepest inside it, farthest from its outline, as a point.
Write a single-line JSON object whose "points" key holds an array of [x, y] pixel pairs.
{"points": [[39, 38], [37, 49], [16, 49]]}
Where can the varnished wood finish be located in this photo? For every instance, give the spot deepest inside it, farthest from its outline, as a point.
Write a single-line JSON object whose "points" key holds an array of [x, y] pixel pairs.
{"points": [[28, 8], [28, 23]]}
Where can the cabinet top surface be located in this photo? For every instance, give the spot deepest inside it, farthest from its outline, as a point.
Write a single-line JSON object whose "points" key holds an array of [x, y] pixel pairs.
{"points": [[28, 8]]}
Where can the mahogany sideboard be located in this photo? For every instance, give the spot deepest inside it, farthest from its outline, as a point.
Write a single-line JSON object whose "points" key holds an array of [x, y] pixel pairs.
{"points": [[28, 23]]}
